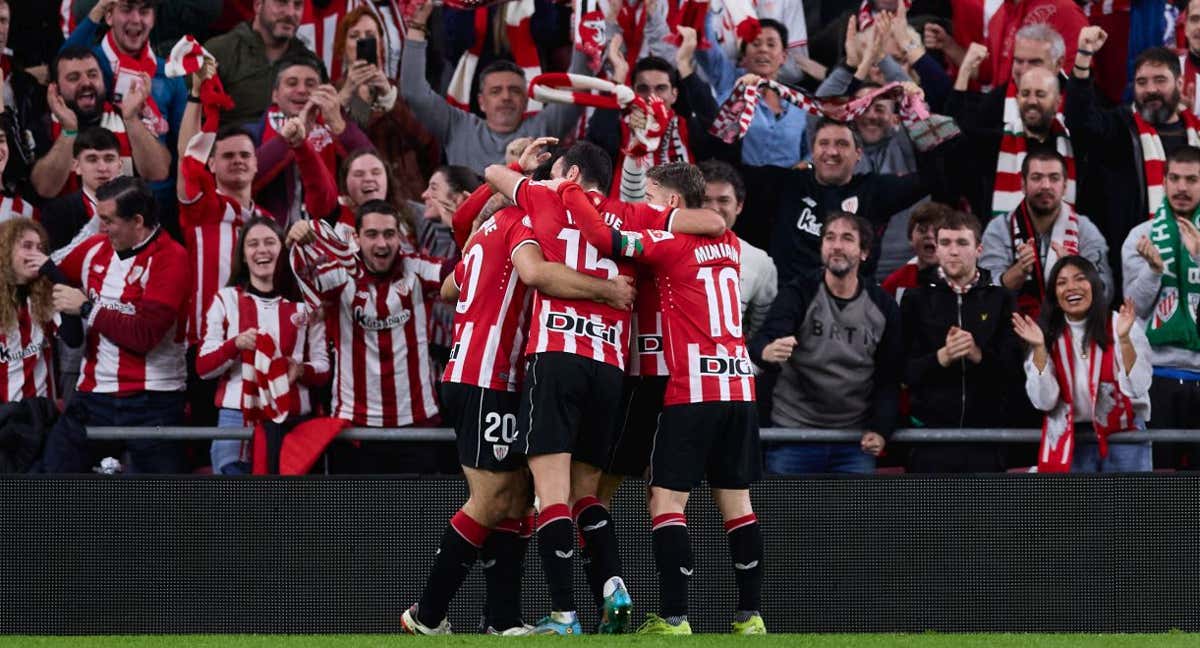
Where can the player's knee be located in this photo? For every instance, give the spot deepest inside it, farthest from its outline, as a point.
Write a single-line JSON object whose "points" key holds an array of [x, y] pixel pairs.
{"points": [[732, 503]]}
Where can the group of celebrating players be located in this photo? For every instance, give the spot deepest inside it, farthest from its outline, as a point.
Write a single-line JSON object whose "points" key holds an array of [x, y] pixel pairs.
{"points": [[533, 409]]}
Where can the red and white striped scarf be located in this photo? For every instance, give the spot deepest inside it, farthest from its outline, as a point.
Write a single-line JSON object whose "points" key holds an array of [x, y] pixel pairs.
{"points": [[132, 67], [737, 112], [1007, 193], [327, 252], [266, 392], [110, 119], [517, 17], [588, 31], [1065, 232], [1154, 157], [1191, 80], [187, 57], [1112, 411]]}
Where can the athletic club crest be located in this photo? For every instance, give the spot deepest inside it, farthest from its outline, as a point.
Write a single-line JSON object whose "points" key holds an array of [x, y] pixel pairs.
{"points": [[500, 452], [1168, 303], [135, 273]]}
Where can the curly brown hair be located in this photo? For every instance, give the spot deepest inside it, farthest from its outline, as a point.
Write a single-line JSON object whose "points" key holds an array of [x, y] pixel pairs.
{"points": [[41, 302]]}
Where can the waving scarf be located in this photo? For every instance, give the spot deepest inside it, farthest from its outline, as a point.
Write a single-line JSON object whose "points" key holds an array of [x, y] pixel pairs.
{"points": [[327, 253]]}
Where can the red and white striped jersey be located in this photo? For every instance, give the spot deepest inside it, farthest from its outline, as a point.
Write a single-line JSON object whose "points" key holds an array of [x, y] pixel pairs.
{"points": [[382, 373], [581, 327], [700, 289], [138, 302], [26, 358], [299, 334], [491, 314], [210, 222], [12, 206], [646, 356]]}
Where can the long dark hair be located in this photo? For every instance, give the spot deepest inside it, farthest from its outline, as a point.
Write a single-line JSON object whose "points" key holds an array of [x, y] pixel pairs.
{"points": [[1054, 320], [239, 273]]}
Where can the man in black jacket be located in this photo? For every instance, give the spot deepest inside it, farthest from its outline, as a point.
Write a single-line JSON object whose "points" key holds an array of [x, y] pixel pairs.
{"points": [[1126, 150], [834, 338], [961, 355]]}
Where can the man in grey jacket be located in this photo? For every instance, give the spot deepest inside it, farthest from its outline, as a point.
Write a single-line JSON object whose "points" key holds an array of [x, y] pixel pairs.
{"points": [[834, 338], [1160, 259], [1020, 249], [469, 140]]}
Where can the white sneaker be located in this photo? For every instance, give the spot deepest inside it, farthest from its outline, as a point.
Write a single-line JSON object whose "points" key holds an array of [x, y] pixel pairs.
{"points": [[410, 624], [515, 631]]}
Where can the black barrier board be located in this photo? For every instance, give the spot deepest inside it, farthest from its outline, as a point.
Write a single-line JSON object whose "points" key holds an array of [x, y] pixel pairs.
{"points": [[86, 555]]}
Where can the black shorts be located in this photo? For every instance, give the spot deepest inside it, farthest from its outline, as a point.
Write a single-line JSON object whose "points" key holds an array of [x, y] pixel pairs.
{"points": [[569, 404], [485, 424], [643, 403], [716, 440]]}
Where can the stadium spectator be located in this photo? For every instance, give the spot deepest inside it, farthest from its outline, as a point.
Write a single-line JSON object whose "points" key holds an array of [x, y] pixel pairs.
{"points": [[469, 140], [28, 321], [791, 14], [1063, 16], [1034, 45], [1126, 146], [370, 100], [22, 103], [961, 356], [725, 194], [126, 58], [259, 300], [381, 340], [1160, 258], [448, 188], [1062, 378], [72, 219], [249, 51], [922, 239], [835, 340], [365, 177], [303, 130], [807, 196], [363, 89], [78, 100], [1031, 121], [133, 370], [1021, 247]]}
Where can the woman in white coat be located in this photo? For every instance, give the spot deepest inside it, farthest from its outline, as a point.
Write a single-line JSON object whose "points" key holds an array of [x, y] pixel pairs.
{"points": [[1089, 370]]}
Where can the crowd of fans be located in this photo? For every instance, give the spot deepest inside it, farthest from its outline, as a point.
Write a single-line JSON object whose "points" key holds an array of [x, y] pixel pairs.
{"points": [[957, 214]]}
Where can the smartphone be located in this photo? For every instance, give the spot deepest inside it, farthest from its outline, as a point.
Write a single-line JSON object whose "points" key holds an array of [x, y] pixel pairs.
{"points": [[367, 50]]}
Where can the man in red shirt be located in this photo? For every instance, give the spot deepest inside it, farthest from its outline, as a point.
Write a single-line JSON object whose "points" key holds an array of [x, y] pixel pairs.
{"points": [[133, 366], [709, 421]]}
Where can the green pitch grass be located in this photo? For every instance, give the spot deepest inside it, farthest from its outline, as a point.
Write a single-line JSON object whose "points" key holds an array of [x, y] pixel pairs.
{"points": [[931, 640]]}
